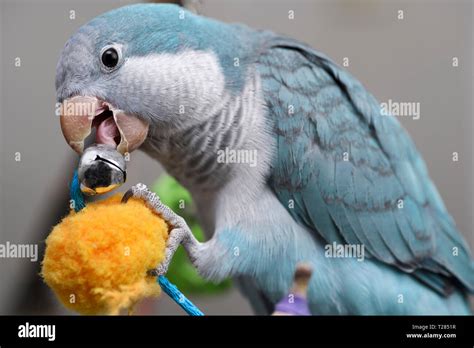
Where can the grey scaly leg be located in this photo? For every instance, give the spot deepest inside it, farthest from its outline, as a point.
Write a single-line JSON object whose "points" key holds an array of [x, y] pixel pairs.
{"points": [[180, 233]]}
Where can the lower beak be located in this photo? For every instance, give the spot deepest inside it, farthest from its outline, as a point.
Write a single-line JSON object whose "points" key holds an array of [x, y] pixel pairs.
{"points": [[114, 127]]}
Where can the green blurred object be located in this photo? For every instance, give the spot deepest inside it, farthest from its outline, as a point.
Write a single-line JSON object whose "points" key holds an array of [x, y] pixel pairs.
{"points": [[181, 272]]}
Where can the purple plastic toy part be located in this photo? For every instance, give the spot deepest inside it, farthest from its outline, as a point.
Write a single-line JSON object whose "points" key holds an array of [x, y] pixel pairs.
{"points": [[298, 306]]}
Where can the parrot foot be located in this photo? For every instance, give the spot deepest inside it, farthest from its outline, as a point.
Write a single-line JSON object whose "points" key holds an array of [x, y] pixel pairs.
{"points": [[180, 233]]}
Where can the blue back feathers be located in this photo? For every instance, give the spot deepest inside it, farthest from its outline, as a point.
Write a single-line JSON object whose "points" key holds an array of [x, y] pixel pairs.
{"points": [[355, 176]]}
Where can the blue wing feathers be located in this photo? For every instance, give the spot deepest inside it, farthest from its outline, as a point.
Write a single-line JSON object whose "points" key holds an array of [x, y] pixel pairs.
{"points": [[348, 168]]}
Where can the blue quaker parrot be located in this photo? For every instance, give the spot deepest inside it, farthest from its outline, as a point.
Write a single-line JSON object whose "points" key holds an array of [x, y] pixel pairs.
{"points": [[287, 156]]}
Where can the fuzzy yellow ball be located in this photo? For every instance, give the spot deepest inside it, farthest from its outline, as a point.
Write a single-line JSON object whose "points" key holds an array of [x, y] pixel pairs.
{"points": [[96, 260]]}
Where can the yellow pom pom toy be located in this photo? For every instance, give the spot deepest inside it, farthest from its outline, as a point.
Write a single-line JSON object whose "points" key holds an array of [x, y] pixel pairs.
{"points": [[97, 259]]}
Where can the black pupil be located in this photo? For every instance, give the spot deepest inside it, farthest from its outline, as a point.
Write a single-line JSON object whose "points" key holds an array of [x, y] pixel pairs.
{"points": [[110, 58]]}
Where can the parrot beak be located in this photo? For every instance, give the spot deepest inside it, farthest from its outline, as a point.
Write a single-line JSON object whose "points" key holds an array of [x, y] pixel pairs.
{"points": [[113, 127]]}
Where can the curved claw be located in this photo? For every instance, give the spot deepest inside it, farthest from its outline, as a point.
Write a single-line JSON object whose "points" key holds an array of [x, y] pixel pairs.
{"points": [[127, 196], [152, 273]]}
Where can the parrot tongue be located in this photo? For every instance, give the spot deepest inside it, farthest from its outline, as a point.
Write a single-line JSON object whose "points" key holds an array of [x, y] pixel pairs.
{"points": [[107, 132]]}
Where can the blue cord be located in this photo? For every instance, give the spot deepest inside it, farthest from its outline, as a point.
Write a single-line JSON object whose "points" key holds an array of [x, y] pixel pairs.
{"points": [[170, 289], [178, 297], [75, 193]]}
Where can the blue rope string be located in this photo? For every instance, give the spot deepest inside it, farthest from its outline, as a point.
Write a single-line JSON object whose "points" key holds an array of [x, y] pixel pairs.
{"points": [[170, 289], [75, 193], [178, 297]]}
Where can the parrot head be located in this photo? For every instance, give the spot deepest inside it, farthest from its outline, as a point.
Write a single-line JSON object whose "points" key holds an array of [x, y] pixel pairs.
{"points": [[142, 69]]}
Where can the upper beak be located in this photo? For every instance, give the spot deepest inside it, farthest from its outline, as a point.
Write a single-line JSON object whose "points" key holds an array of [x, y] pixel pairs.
{"points": [[79, 114]]}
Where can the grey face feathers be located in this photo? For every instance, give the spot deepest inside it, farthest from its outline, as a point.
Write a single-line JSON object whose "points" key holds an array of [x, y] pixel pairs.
{"points": [[156, 63]]}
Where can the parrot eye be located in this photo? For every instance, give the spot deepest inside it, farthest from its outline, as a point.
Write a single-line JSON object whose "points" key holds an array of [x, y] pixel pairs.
{"points": [[110, 57]]}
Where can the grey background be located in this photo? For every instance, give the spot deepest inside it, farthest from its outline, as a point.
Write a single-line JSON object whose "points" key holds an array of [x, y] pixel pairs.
{"points": [[403, 60]]}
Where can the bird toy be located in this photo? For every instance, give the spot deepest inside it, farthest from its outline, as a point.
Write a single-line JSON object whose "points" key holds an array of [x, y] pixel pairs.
{"points": [[102, 257]]}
